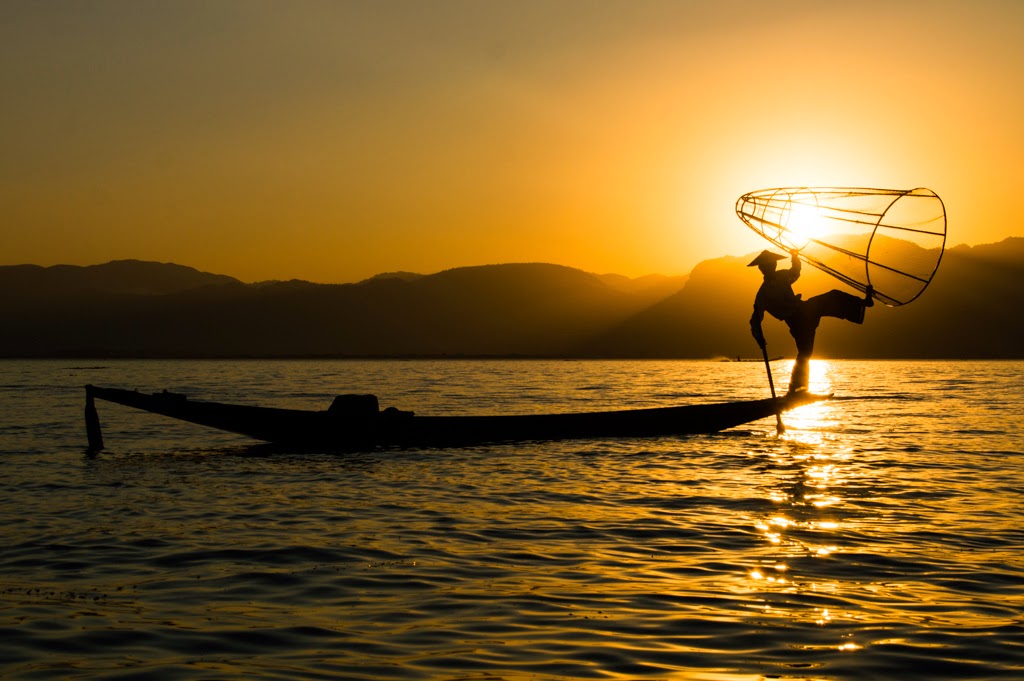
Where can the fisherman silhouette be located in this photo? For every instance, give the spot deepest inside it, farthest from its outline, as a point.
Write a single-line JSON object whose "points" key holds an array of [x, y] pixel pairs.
{"points": [[801, 316]]}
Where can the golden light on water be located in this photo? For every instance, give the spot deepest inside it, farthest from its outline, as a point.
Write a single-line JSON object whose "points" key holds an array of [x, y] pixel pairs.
{"points": [[811, 423], [810, 473]]}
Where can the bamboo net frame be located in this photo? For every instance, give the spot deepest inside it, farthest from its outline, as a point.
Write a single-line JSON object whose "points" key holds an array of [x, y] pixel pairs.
{"points": [[891, 239]]}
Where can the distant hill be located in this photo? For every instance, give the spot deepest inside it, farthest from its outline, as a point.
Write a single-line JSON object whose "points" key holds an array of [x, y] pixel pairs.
{"points": [[512, 309], [968, 311], [131, 277], [140, 309], [707, 318], [653, 286], [404, 276], [971, 309]]}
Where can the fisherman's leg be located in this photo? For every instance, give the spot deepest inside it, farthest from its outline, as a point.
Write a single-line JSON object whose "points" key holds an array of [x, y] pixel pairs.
{"points": [[800, 377], [803, 333], [839, 304]]}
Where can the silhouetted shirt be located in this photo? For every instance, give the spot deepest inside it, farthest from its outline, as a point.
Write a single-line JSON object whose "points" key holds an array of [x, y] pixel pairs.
{"points": [[776, 297]]}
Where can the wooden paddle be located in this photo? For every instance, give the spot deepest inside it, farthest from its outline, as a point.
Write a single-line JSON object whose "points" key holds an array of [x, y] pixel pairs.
{"points": [[771, 384]]}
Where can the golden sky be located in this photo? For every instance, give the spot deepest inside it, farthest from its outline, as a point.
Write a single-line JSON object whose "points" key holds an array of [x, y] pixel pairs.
{"points": [[332, 140]]}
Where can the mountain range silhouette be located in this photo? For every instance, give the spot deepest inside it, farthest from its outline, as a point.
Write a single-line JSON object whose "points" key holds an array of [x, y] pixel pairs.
{"points": [[140, 309]]}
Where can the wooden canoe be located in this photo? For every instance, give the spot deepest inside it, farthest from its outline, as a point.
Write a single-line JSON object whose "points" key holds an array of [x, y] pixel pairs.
{"points": [[354, 422]]}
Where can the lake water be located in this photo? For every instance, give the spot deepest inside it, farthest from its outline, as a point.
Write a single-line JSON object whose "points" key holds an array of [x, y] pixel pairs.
{"points": [[880, 537]]}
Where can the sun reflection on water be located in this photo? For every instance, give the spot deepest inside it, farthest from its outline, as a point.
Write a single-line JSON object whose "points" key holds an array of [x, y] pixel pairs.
{"points": [[813, 423], [807, 475]]}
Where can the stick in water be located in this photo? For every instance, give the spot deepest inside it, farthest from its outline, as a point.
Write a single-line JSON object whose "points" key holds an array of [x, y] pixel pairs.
{"points": [[771, 384], [92, 422]]}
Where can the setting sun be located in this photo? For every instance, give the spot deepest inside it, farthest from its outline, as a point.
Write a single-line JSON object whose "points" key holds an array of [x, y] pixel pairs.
{"points": [[804, 221]]}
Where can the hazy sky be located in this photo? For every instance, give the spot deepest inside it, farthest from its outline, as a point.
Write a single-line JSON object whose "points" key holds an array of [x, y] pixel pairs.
{"points": [[329, 140]]}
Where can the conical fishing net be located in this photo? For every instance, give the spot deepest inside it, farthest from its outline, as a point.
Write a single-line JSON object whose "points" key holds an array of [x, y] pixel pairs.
{"points": [[891, 239]]}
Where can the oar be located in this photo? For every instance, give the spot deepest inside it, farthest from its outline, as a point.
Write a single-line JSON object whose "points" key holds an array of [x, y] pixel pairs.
{"points": [[771, 384], [92, 423]]}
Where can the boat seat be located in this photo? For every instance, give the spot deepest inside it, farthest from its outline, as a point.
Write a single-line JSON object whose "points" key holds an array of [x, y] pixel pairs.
{"points": [[355, 406], [394, 415]]}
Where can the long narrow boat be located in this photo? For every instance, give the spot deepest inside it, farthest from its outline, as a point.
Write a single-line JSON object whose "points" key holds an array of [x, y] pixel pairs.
{"points": [[355, 422]]}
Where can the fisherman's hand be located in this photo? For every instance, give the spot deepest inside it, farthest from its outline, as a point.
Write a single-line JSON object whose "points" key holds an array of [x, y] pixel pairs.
{"points": [[794, 252]]}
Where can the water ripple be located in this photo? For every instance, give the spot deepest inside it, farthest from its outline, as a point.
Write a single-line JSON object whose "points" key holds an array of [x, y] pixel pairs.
{"points": [[878, 538]]}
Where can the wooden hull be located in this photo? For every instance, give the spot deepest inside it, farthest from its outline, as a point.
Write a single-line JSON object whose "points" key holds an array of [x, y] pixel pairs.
{"points": [[323, 429]]}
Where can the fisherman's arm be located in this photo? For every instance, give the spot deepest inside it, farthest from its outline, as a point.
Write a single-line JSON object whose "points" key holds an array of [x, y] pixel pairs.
{"points": [[793, 273], [755, 324]]}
